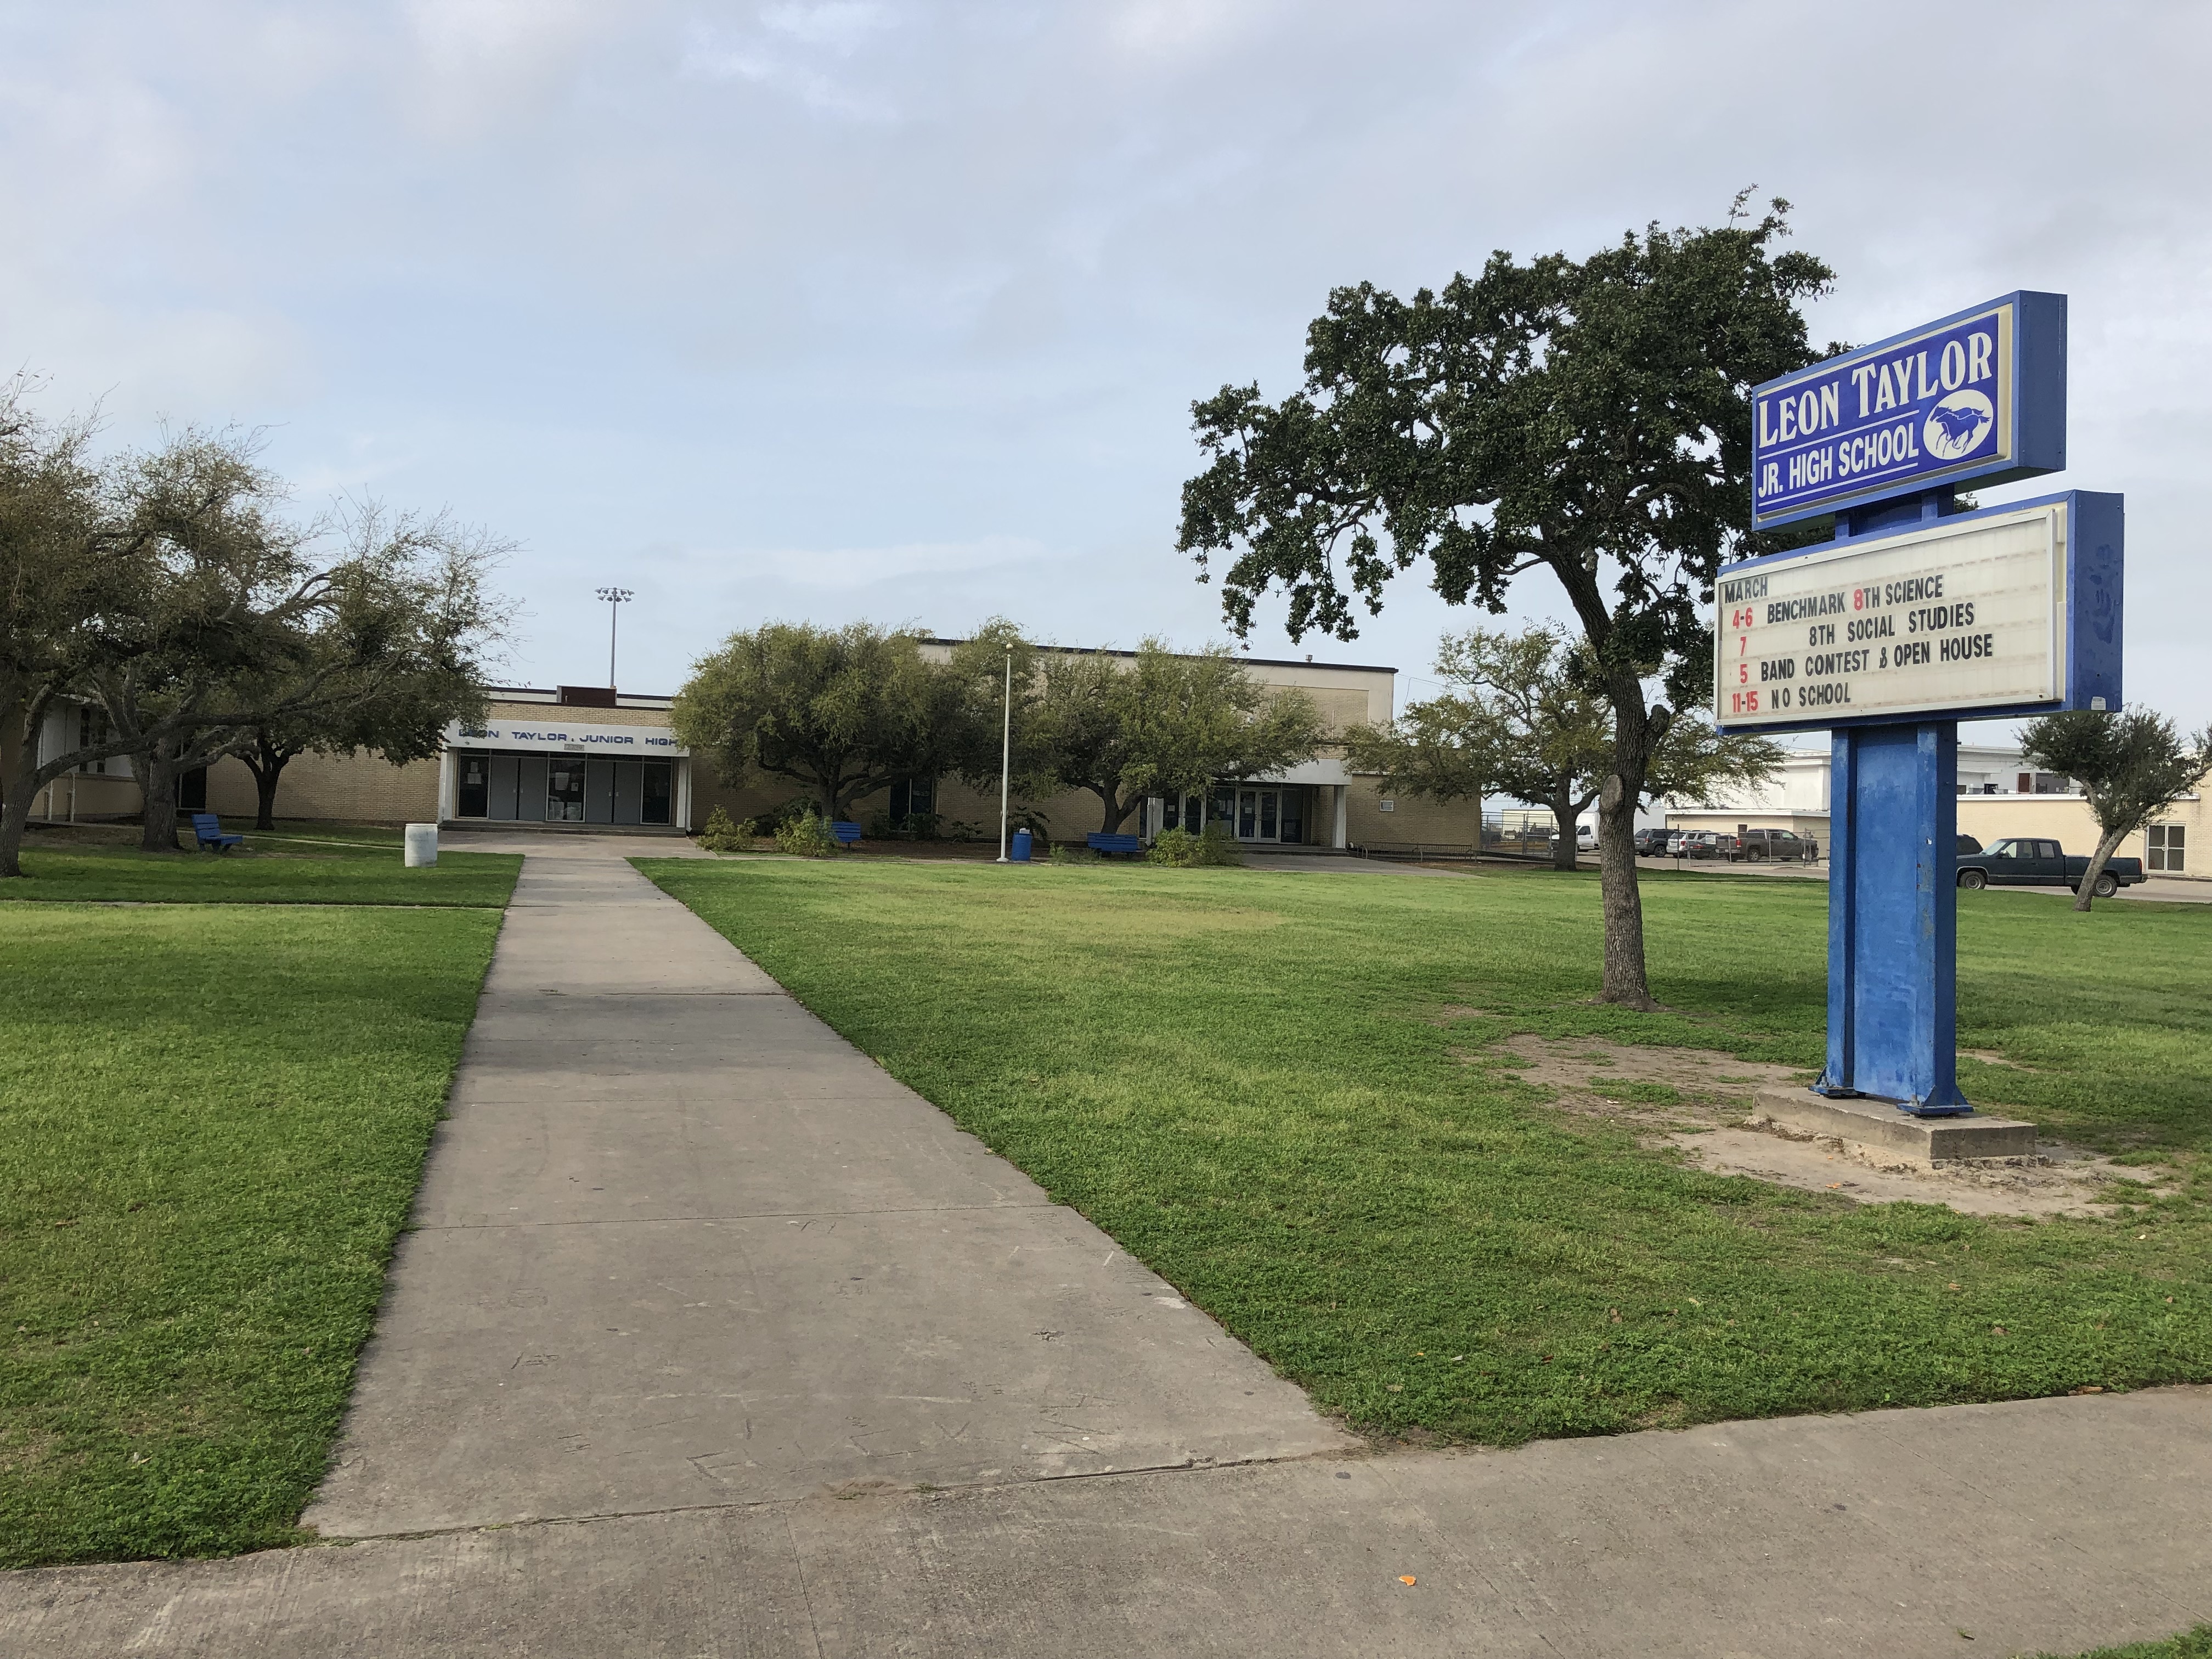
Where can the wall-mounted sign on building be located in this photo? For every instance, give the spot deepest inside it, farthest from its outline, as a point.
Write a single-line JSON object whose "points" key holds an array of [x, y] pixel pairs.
{"points": [[1980, 395], [2012, 609], [565, 737]]}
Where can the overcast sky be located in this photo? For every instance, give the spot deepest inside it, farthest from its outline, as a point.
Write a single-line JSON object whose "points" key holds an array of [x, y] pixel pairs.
{"points": [[896, 310]]}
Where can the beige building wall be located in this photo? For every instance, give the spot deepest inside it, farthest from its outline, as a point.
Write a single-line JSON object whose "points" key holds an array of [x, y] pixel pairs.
{"points": [[83, 795], [1409, 819], [358, 788]]}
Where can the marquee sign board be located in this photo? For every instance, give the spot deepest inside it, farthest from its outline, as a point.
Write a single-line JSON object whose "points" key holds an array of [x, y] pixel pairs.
{"points": [[2014, 609], [565, 737], [1980, 395]]}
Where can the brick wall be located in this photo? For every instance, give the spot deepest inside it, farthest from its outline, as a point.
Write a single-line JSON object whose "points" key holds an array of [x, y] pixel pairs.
{"points": [[338, 788]]}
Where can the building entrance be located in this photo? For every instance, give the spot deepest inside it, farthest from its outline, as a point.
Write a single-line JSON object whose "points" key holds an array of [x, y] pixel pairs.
{"points": [[525, 788], [1263, 813]]}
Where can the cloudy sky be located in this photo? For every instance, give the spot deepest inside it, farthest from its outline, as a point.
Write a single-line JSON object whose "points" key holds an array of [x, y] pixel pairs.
{"points": [[896, 310]]}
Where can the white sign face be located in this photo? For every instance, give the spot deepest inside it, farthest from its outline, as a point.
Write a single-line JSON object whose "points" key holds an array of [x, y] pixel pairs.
{"points": [[557, 736], [1939, 620]]}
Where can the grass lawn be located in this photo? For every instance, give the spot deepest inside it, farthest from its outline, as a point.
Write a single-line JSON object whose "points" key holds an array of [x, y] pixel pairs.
{"points": [[2194, 1644], [302, 864], [1249, 1079], [212, 1119]]}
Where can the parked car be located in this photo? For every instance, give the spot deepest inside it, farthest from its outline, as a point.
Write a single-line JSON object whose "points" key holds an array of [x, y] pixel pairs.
{"points": [[1585, 838], [1968, 845], [1776, 844], [1652, 843], [1697, 844], [2018, 862]]}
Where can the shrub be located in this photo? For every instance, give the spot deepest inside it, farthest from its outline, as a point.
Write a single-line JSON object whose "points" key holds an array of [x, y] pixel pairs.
{"points": [[806, 835], [915, 826], [1216, 846], [719, 835], [1176, 846], [1063, 853]]}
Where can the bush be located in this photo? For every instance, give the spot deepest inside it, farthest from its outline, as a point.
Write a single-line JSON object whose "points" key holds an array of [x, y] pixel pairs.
{"points": [[915, 826], [721, 835], [1176, 847], [806, 835], [1216, 846], [1061, 852]]}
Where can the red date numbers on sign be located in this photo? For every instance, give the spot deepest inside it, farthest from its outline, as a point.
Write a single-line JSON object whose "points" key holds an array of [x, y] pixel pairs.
{"points": [[1743, 702], [1743, 617]]}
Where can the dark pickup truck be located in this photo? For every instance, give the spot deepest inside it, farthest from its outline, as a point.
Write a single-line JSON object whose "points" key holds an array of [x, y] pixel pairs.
{"points": [[2024, 863]]}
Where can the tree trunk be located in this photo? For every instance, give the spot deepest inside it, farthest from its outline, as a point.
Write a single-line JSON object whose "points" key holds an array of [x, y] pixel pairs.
{"points": [[157, 784], [1636, 734], [1567, 815], [1116, 809], [16, 817], [1624, 979], [267, 763], [2105, 848]]}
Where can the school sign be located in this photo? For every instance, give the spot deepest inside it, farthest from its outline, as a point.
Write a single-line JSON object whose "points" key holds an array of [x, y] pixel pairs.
{"points": [[1977, 396], [1912, 616]]}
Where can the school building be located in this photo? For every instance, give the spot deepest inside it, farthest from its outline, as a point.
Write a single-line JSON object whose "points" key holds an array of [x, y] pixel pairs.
{"points": [[582, 758]]}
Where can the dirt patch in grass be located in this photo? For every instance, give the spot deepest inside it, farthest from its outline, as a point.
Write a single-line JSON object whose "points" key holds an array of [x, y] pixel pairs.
{"points": [[1703, 1104]]}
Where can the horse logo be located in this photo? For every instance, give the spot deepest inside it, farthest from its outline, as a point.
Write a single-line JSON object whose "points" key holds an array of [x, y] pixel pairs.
{"points": [[1957, 425]]}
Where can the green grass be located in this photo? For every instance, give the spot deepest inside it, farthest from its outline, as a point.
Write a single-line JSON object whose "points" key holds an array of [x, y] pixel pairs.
{"points": [[212, 1119], [1245, 1077], [296, 864], [2194, 1644]]}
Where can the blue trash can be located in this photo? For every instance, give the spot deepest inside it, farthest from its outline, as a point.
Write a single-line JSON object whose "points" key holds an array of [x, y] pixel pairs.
{"points": [[1020, 854]]}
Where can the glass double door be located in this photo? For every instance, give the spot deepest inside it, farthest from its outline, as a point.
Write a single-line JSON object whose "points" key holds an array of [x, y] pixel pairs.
{"points": [[1261, 814], [563, 789]]}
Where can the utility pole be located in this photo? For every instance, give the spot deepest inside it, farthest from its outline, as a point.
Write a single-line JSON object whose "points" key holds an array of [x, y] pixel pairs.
{"points": [[1006, 752], [616, 598]]}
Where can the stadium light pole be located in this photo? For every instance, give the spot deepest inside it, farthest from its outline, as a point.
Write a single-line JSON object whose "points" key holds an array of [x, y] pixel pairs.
{"points": [[1006, 752], [616, 599]]}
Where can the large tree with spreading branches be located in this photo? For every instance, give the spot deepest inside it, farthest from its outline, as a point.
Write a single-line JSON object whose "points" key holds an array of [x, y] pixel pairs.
{"points": [[1589, 419]]}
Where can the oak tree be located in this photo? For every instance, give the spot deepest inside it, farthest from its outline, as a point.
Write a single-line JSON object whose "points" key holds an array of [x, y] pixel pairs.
{"points": [[2131, 765], [1589, 419]]}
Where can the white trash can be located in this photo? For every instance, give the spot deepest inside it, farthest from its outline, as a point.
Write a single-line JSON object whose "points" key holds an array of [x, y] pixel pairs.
{"points": [[422, 846]]}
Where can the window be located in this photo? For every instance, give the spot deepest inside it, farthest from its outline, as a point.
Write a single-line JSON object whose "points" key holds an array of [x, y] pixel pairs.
{"points": [[2051, 783], [91, 728], [564, 790], [913, 798], [656, 805], [1386, 806], [2047, 849], [472, 793], [2167, 848]]}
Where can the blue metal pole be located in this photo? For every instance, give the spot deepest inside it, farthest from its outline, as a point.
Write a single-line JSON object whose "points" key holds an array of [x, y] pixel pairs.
{"points": [[1892, 947]]}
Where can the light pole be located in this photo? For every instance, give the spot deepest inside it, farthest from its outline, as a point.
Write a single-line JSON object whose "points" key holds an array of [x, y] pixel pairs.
{"points": [[616, 599], [1006, 752]]}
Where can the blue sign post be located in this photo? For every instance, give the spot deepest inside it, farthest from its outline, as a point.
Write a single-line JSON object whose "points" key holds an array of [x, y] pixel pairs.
{"points": [[1913, 615]]}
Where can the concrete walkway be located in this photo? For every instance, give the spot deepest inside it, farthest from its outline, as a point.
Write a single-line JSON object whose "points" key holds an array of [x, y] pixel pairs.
{"points": [[713, 1340]]}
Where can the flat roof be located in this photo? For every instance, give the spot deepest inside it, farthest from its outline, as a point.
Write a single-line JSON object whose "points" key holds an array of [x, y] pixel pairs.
{"points": [[1262, 662], [552, 694]]}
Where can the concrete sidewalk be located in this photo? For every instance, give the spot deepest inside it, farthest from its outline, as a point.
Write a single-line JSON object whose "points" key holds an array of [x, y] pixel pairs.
{"points": [[680, 1244], [710, 1338]]}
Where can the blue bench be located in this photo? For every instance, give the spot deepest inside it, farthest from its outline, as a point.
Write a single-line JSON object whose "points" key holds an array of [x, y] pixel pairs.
{"points": [[207, 830], [846, 834], [1123, 846]]}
